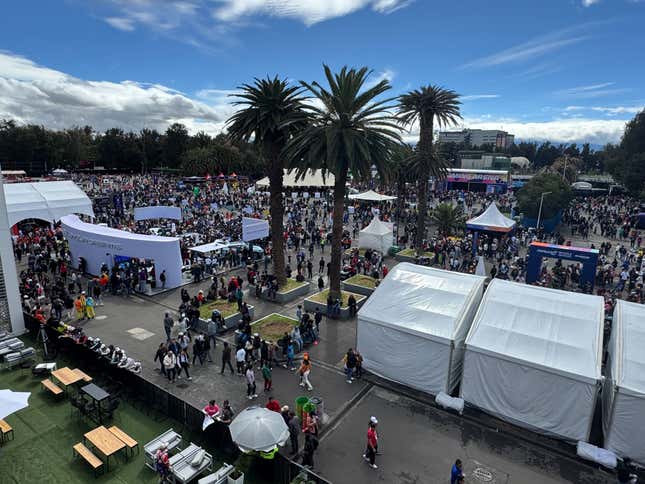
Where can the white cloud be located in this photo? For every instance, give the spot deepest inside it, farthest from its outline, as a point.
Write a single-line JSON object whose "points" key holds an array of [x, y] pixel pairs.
{"points": [[474, 97], [589, 3], [608, 110], [591, 91], [121, 23], [385, 75], [30, 93]]}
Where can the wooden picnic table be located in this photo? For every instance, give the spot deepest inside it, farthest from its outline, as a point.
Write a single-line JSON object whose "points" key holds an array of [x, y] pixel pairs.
{"points": [[105, 441], [66, 376]]}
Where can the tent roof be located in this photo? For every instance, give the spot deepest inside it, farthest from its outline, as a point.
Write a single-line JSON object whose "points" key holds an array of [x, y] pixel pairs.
{"points": [[492, 219], [376, 227], [629, 362], [73, 222], [45, 200], [371, 196], [558, 331], [210, 247], [423, 301], [313, 178]]}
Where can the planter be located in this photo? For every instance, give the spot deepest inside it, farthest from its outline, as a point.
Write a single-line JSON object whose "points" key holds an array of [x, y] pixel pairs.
{"points": [[283, 297], [365, 291], [257, 325], [311, 305], [235, 480], [411, 256], [229, 322]]}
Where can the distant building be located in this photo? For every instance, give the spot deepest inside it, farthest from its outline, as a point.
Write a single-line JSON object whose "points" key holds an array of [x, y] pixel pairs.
{"points": [[478, 137], [478, 160]]}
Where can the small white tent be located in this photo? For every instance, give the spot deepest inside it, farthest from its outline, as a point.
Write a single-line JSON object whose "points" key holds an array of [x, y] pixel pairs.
{"points": [[533, 357], [491, 220], [412, 329], [377, 236], [371, 196], [624, 389]]}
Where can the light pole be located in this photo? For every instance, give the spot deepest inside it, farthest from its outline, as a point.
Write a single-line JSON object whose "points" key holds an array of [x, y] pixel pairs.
{"points": [[537, 226], [564, 172]]}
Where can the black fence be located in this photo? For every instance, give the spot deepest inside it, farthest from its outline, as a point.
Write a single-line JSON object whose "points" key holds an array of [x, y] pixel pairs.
{"points": [[160, 405]]}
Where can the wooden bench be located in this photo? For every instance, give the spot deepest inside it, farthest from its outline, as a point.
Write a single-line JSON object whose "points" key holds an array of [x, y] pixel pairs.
{"points": [[88, 456], [125, 438], [52, 387], [86, 378], [5, 431]]}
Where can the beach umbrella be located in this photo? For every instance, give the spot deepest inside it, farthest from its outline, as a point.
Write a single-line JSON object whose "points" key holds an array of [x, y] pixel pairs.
{"points": [[11, 402], [259, 429]]}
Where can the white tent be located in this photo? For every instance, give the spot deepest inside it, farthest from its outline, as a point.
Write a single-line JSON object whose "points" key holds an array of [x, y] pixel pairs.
{"points": [[207, 248], [533, 357], [254, 229], [45, 200], [371, 196], [412, 329], [313, 178], [492, 219], [377, 236], [624, 389]]}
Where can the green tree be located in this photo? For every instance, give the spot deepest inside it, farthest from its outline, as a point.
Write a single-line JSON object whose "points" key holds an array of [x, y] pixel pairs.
{"points": [[425, 106], [272, 111], [175, 144], [351, 131], [447, 218], [528, 197], [151, 149]]}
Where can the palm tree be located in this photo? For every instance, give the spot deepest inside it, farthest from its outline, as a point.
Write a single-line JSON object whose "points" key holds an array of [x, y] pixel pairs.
{"points": [[272, 112], [425, 106], [399, 171], [447, 218], [350, 132]]}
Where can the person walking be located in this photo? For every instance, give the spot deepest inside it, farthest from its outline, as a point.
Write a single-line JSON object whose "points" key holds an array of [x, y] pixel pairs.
{"points": [[250, 383], [184, 363], [372, 443], [267, 375], [169, 363], [89, 307], [456, 473], [350, 364], [168, 323], [311, 444], [162, 278], [304, 371], [294, 431], [159, 355], [240, 359], [226, 359], [290, 356]]}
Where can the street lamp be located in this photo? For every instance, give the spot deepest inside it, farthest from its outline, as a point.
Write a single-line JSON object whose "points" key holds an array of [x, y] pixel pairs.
{"points": [[537, 227]]}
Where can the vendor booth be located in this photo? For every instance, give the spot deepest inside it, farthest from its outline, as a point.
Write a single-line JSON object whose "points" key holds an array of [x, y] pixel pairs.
{"points": [[412, 329], [492, 220], [313, 178], [371, 196], [533, 358], [377, 236], [624, 389], [99, 245]]}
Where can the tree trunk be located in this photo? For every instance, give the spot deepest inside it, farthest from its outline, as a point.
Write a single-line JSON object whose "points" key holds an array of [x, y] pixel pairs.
{"points": [[277, 215], [337, 234], [425, 150]]}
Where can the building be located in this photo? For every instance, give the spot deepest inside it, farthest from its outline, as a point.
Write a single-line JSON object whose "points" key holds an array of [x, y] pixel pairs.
{"points": [[478, 160], [476, 180], [478, 137]]}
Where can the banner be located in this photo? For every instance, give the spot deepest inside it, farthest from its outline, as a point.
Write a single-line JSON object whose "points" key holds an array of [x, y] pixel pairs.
{"points": [[253, 229], [155, 212]]}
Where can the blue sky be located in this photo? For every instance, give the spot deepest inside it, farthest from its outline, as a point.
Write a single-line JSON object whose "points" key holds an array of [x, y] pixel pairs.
{"points": [[567, 70]]}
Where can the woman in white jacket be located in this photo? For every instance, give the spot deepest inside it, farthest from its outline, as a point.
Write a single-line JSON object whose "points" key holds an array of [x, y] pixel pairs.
{"points": [[169, 364]]}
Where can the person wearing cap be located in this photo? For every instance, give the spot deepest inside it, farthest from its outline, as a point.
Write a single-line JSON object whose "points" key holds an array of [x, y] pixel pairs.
{"points": [[372, 443], [227, 413]]}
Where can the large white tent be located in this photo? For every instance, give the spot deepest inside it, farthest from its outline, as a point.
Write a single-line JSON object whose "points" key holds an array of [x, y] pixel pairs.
{"points": [[624, 389], [312, 179], [533, 357], [371, 196], [377, 236], [491, 220], [45, 200], [412, 329]]}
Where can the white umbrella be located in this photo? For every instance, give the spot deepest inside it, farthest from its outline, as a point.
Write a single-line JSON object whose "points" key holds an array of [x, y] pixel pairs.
{"points": [[11, 402], [259, 429]]}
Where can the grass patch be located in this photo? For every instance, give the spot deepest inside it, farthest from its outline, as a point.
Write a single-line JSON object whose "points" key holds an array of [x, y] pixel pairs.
{"points": [[321, 297], [222, 305], [273, 326], [291, 285], [361, 280], [413, 253], [361, 251]]}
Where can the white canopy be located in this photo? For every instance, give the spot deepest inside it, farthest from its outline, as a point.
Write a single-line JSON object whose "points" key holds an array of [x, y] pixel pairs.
{"points": [[533, 356], [45, 200], [492, 219], [377, 236], [313, 178], [624, 390], [412, 329], [254, 229], [210, 247], [371, 196]]}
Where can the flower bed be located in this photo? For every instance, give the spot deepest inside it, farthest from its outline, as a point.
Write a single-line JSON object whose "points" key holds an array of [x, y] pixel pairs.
{"points": [[319, 300], [273, 326], [229, 312], [292, 290], [360, 284], [410, 255]]}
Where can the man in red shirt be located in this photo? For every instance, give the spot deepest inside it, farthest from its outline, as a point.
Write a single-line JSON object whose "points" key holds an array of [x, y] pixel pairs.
{"points": [[273, 405], [372, 443]]}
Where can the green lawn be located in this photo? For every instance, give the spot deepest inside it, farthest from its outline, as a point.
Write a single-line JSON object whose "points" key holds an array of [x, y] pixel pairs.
{"points": [[413, 253], [222, 305], [361, 280], [321, 297], [273, 326], [290, 285]]}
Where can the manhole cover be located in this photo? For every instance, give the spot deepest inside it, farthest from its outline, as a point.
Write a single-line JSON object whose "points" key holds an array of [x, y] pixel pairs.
{"points": [[482, 475]]}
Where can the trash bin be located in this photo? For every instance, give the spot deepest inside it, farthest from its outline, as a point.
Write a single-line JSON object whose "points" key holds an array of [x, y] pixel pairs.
{"points": [[320, 407], [300, 403]]}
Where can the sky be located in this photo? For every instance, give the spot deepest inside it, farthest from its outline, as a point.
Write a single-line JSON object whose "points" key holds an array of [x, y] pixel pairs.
{"points": [[564, 70]]}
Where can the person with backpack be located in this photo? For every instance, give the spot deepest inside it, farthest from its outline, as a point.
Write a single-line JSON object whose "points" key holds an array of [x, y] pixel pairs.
{"points": [[350, 364]]}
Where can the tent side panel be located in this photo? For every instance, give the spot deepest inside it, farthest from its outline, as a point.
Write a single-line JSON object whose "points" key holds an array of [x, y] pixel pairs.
{"points": [[529, 397], [626, 435], [404, 358]]}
